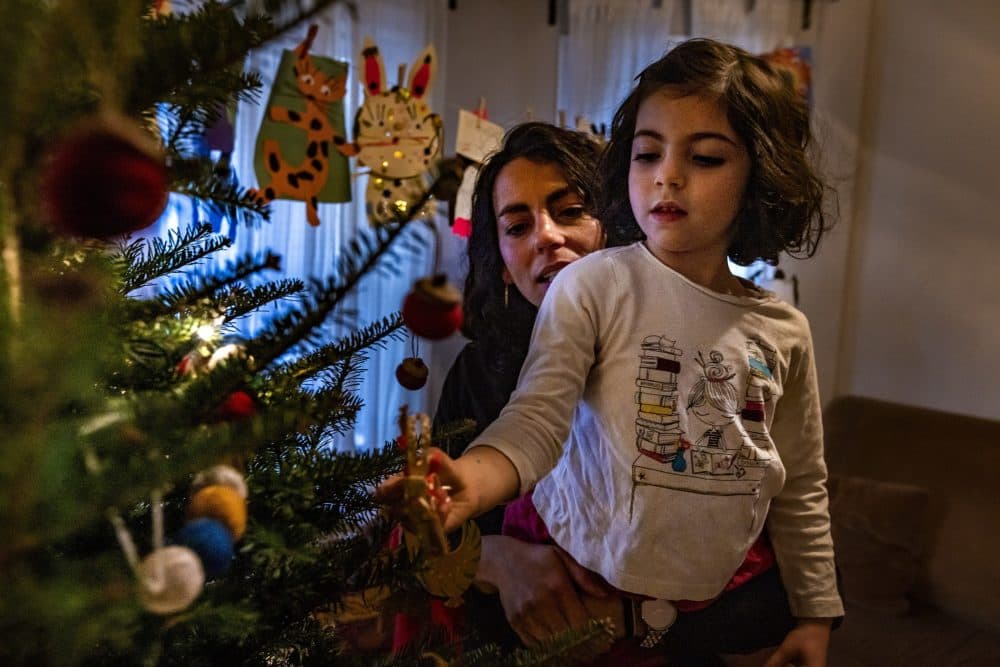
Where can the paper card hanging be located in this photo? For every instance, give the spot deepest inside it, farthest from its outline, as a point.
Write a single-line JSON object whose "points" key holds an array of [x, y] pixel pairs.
{"points": [[476, 138]]}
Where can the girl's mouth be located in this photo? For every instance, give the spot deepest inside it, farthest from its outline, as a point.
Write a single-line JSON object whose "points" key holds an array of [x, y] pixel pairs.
{"points": [[668, 211]]}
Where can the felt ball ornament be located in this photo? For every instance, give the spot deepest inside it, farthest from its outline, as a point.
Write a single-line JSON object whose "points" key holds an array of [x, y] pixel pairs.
{"points": [[222, 475], [211, 541], [238, 405], [223, 504], [105, 178], [224, 352], [433, 308], [412, 373], [170, 579]]}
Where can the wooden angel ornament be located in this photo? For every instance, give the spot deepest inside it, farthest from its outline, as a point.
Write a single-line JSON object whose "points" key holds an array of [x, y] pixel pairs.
{"points": [[294, 157], [396, 135]]}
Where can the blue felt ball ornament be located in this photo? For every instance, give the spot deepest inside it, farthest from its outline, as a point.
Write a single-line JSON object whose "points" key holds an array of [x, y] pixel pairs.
{"points": [[211, 541]]}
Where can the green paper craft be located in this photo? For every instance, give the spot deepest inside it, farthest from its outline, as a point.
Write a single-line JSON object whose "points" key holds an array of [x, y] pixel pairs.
{"points": [[294, 156]]}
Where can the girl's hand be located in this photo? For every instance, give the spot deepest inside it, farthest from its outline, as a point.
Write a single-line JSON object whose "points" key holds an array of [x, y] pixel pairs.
{"points": [[477, 481], [393, 492], [806, 645]]}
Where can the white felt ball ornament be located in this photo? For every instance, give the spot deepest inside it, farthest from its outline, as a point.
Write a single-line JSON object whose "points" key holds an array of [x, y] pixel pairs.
{"points": [[222, 475], [223, 353], [171, 578]]}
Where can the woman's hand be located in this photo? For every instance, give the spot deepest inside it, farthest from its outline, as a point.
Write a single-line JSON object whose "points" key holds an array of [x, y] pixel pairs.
{"points": [[805, 646], [543, 590]]}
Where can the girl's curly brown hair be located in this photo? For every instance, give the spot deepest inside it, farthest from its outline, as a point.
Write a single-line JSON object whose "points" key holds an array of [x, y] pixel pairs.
{"points": [[783, 205]]}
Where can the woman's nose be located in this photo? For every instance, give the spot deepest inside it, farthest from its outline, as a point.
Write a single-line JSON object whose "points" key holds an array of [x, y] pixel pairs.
{"points": [[547, 232]]}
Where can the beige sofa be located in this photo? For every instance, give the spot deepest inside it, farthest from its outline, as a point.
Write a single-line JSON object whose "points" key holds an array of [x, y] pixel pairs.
{"points": [[915, 508]]}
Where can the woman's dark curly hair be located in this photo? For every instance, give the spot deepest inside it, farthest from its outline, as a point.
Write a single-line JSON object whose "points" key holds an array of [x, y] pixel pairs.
{"points": [[487, 320], [783, 205]]}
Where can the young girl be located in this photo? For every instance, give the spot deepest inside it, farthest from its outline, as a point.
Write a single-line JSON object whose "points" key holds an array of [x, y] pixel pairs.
{"points": [[672, 408]]}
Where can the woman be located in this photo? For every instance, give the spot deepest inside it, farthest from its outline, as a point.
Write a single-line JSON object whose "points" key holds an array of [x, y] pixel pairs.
{"points": [[531, 216]]}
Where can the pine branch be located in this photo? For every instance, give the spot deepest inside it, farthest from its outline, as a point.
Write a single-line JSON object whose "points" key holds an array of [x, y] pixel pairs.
{"points": [[240, 300], [176, 298], [190, 57], [375, 335], [155, 258], [214, 185], [299, 325]]}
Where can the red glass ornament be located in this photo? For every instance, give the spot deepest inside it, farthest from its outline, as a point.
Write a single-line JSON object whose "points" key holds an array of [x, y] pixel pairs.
{"points": [[238, 405], [433, 308], [104, 179]]}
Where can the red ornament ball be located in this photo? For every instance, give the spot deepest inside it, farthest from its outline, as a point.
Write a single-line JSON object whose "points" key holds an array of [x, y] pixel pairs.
{"points": [[105, 178], [238, 405], [433, 308], [412, 373]]}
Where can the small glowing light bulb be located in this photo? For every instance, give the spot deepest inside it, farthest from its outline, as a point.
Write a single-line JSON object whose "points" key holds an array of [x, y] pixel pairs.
{"points": [[205, 332]]}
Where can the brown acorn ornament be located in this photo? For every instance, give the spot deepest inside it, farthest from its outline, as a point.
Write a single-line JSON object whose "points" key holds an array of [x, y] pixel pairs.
{"points": [[433, 308], [412, 373]]}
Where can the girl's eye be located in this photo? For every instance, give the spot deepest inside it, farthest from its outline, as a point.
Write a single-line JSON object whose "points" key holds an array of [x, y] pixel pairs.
{"points": [[646, 156], [708, 160]]}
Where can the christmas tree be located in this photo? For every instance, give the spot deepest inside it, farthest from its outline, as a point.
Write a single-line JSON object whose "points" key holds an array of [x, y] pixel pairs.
{"points": [[168, 494]]}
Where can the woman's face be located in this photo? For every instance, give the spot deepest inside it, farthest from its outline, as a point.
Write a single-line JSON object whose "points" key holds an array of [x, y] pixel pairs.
{"points": [[541, 224]]}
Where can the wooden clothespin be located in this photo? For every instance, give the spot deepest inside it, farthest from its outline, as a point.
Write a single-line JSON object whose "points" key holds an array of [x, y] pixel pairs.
{"points": [[401, 76], [481, 112], [562, 118]]}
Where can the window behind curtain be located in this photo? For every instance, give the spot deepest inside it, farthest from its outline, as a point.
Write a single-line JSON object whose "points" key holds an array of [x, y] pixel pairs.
{"points": [[400, 28]]}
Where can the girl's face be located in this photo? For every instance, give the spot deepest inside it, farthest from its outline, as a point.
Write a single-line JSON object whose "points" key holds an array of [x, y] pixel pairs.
{"points": [[542, 225], [687, 179]]}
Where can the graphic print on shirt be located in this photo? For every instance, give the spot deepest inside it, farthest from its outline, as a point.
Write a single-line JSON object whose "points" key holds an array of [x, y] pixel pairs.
{"points": [[720, 447]]}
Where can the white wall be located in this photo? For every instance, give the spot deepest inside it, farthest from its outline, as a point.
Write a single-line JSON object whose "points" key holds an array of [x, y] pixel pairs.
{"points": [[508, 53], [923, 311]]}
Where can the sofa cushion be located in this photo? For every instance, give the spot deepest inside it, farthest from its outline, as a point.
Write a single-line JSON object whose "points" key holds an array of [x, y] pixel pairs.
{"points": [[956, 459], [880, 537]]}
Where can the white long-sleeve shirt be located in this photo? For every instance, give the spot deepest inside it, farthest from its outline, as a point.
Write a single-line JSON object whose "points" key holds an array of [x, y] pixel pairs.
{"points": [[669, 422]]}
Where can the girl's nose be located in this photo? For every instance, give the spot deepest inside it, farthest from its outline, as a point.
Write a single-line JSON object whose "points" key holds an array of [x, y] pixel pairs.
{"points": [[670, 172]]}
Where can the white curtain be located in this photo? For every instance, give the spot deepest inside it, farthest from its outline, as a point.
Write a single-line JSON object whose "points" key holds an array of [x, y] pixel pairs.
{"points": [[771, 23], [608, 43], [400, 28]]}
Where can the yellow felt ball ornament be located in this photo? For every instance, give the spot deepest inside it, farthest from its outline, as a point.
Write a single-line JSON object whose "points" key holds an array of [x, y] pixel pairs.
{"points": [[222, 503]]}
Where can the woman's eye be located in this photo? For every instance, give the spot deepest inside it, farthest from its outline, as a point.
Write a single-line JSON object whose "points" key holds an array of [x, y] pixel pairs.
{"points": [[708, 160], [572, 212], [516, 229], [647, 156]]}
